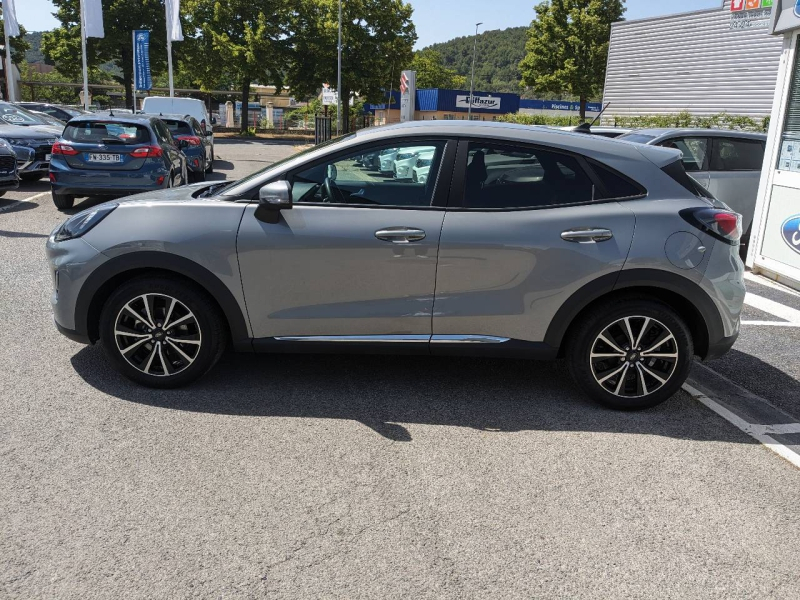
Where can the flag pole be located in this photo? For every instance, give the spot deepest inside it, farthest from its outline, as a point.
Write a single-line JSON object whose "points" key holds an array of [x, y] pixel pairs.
{"points": [[9, 72], [167, 5], [83, 57], [133, 37]]}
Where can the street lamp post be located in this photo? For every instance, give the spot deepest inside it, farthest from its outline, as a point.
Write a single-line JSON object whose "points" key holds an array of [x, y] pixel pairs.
{"points": [[339, 82], [472, 80]]}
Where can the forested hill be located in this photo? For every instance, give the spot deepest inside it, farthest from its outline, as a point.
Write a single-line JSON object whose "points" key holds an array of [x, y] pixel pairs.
{"points": [[497, 63], [34, 38]]}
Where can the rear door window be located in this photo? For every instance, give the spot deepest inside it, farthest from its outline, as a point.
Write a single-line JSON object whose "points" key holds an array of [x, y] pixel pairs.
{"points": [[104, 132], [694, 150], [731, 154], [178, 127], [500, 177]]}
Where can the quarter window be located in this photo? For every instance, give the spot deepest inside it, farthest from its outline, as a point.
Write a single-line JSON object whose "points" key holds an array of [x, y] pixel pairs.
{"points": [[519, 177], [730, 154], [402, 176], [694, 150]]}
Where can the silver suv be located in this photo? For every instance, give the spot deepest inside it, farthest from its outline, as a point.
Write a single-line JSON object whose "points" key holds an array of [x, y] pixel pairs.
{"points": [[522, 242]]}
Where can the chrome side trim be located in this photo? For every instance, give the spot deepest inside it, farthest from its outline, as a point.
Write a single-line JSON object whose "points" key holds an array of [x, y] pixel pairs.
{"points": [[467, 339], [394, 339]]}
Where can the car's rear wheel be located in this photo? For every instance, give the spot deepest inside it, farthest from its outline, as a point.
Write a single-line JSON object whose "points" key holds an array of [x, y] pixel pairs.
{"points": [[160, 332], [630, 353], [197, 176], [210, 164], [63, 201]]}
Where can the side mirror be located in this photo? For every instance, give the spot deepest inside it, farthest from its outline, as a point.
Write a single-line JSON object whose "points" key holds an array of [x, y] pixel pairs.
{"points": [[332, 172], [273, 198]]}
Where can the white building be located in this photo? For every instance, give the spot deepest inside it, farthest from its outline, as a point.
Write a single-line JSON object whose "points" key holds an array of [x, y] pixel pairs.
{"points": [[705, 62]]}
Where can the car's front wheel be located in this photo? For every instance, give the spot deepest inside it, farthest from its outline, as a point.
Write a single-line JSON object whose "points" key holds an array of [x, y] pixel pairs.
{"points": [[631, 353], [160, 332]]}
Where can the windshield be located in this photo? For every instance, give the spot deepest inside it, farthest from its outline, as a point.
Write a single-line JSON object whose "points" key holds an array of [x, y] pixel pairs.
{"points": [[238, 187], [19, 116], [639, 138], [104, 132], [178, 127]]}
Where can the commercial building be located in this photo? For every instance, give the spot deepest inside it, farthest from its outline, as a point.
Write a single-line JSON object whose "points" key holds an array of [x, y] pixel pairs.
{"points": [[705, 62], [441, 104]]}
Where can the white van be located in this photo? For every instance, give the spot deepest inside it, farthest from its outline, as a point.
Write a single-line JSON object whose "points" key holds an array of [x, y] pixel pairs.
{"points": [[159, 105]]}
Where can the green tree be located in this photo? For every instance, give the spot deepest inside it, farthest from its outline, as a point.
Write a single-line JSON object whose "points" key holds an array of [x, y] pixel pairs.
{"points": [[62, 46], [567, 47], [19, 46], [431, 72], [239, 41], [377, 39]]}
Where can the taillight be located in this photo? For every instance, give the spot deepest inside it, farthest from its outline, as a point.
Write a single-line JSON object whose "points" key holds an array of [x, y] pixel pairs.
{"points": [[192, 139], [63, 149], [147, 152], [721, 224]]}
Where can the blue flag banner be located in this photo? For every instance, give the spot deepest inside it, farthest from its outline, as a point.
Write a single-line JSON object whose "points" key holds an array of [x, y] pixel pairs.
{"points": [[142, 79]]}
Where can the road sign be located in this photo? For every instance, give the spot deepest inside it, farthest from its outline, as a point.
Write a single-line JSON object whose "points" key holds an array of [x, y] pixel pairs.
{"points": [[329, 96]]}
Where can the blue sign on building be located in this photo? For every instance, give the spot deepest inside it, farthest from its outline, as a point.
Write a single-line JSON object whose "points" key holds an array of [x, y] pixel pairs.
{"points": [[142, 79]]}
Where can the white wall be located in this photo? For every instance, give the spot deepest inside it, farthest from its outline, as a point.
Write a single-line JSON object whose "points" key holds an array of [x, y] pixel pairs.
{"points": [[691, 61]]}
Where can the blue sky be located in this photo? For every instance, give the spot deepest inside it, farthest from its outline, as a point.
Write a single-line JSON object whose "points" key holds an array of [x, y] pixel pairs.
{"points": [[436, 20]]}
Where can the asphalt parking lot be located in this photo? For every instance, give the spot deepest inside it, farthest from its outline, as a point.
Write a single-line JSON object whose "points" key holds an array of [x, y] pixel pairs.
{"points": [[382, 477]]}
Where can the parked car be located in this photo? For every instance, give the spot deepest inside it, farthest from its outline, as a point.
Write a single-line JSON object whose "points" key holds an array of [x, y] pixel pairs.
{"points": [[422, 167], [198, 149], [49, 119], [31, 137], [725, 162], [404, 162], [58, 111], [157, 105], [609, 132], [386, 158], [9, 177], [614, 259], [115, 156]]}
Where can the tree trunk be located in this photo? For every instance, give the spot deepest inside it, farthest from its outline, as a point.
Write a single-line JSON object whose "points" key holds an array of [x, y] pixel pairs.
{"points": [[127, 76], [583, 108], [245, 102], [345, 110]]}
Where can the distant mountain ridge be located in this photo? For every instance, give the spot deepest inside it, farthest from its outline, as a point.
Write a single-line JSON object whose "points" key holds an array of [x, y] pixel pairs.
{"points": [[497, 65], [34, 55]]}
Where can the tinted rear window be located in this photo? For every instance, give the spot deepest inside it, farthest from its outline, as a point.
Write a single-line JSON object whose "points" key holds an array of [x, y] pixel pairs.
{"points": [[100, 132], [679, 174], [731, 154], [178, 127], [639, 138], [616, 185]]}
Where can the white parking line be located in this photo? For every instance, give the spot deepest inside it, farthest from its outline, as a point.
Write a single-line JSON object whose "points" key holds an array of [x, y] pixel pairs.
{"points": [[31, 199], [770, 324], [759, 432], [770, 284], [774, 308]]}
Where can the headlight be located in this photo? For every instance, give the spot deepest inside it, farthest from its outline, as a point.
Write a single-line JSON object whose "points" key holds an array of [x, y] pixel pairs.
{"points": [[5, 145], [83, 222]]}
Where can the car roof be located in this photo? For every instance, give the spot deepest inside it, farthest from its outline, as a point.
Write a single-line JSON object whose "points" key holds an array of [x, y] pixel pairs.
{"points": [[124, 118], [658, 132], [174, 117]]}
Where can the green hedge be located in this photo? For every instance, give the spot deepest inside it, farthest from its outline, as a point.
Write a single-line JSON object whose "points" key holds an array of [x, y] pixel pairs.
{"points": [[682, 119]]}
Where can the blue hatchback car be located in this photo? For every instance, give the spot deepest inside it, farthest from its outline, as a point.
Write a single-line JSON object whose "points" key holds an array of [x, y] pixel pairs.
{"points": [[115, 156]]}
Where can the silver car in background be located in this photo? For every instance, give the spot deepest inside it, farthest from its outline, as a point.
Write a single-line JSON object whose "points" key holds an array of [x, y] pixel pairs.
{"points": [[522, 242], [725, 162]]}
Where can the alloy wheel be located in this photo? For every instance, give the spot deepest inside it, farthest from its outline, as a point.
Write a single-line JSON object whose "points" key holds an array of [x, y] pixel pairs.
{"points": [[634, 357], [157, 335]]}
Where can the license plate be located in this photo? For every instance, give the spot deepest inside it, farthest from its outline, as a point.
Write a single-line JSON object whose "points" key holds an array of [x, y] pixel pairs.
{"points": [[47, 157], [104, 158]]}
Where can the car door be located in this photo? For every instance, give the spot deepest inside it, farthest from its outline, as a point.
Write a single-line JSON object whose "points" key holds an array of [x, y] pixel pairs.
{"points": [[696, 153], [735, 172], [172, 153], [353, 261], [527, 229]]}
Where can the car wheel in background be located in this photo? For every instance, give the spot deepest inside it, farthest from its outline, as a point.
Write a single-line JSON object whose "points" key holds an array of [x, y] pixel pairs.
{"points": [[31, 176], [630, 353], [160, 332], [210, 165], [197, 176], [63, 201]]}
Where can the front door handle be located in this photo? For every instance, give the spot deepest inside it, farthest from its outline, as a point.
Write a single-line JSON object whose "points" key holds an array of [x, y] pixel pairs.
{"points": [[400, 235], [587, 235]]}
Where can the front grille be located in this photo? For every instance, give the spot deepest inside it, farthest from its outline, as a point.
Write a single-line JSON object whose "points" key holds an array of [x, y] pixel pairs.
{"points": [[42, 152], [7, 163]]}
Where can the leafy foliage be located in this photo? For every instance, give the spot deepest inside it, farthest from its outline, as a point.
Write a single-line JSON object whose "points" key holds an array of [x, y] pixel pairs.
{"points": [[19, 45], [62, 46], [377, 38], [431, 72], [497, 59], [567, 47]]}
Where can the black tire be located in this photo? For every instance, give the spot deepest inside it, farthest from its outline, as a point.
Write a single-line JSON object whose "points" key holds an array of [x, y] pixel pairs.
{"points": [[197, 176], [210, 328], [31, 176], [583, 337], [210, 165], [744, 245], [62, 201]]}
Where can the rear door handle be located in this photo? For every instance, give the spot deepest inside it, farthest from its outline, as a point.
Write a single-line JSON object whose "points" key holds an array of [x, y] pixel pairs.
{"points": [[400, 235], [587, 235]]}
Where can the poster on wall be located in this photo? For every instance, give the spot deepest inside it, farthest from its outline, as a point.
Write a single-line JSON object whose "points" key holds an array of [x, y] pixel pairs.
{"points": [[789, 159], [484, 102]]}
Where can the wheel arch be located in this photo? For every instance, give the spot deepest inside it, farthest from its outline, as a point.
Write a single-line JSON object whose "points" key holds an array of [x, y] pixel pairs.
{"points": [[685, 296], [113, 273]]}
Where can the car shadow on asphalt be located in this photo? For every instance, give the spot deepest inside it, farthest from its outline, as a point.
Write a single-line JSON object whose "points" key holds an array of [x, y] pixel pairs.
{"points": [[42, 185], [385, 392]]}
